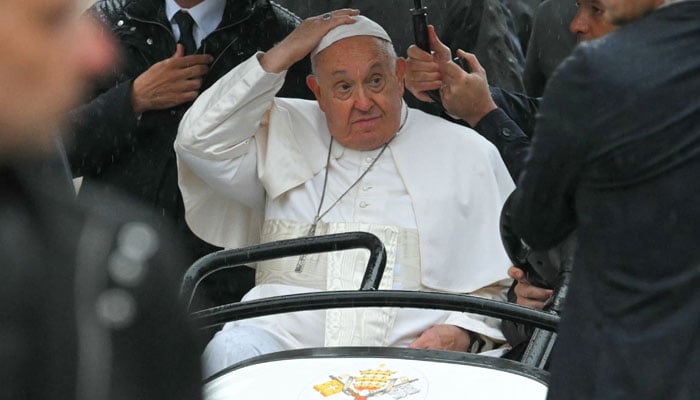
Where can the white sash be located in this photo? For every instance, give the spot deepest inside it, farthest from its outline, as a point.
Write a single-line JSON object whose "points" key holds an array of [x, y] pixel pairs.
{"points": [[343, 270]]}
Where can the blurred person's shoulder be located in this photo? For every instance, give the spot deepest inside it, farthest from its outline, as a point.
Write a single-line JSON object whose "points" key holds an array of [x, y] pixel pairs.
{"points": [[119, 214], [111, 252]]}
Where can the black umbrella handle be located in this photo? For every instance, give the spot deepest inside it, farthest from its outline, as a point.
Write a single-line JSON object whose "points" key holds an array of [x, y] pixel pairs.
{"points": [[420, 35]]}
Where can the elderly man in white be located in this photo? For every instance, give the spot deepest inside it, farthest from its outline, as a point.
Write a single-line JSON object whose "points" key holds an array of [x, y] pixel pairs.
{"points": [[256, 168]]}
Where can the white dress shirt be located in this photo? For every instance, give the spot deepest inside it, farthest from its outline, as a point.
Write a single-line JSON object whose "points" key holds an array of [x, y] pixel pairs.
{"points": [[206, 15]]}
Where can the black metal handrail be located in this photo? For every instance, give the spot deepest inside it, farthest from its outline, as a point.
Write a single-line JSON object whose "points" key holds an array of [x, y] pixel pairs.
{"points": [[381, 298]]}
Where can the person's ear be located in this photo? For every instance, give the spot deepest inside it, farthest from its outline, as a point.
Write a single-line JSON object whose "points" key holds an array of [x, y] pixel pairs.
{"points": [[401, 72], [312, 83]]}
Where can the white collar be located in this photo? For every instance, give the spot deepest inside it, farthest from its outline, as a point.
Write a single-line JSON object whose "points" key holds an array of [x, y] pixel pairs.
{"points": [[207, 16]]}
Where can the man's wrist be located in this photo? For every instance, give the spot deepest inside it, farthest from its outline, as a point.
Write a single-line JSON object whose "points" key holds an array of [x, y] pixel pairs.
{"points": [[473, 120], [136, 104]]}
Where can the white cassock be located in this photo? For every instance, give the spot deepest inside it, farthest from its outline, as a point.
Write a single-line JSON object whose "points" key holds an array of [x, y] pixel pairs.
{"points": [[252, 169]]}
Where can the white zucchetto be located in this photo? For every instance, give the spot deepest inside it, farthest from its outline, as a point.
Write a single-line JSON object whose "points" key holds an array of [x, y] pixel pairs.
{"points": [[363, 27]]}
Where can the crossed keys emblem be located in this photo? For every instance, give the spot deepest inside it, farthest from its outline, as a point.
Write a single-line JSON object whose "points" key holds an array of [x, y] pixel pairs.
{"points": [[369, 383]]}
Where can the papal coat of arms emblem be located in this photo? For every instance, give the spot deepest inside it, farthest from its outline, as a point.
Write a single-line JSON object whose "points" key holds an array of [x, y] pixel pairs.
{"points": [[379, 382]]}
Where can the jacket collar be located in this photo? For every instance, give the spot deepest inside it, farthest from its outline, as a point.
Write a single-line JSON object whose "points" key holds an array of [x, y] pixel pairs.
{"points": [[154, 11]]}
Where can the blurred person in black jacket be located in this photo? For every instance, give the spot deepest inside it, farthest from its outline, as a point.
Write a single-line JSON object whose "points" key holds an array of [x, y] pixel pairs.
{"points": [[88, 294]]}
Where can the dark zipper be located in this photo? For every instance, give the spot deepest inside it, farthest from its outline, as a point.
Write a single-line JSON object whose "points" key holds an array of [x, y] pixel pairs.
{"points": [[170, 32], [235, 39], [166, 28]]}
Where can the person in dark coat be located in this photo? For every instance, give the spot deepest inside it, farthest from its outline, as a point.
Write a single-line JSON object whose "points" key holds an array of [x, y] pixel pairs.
{"points": [[89, 297], [123, 138], [507, 120], [616, 156], [522, 14], [550, 42]]}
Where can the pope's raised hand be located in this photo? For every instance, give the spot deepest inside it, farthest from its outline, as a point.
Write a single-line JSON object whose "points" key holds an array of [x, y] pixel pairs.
{"points": [[304, 39]]}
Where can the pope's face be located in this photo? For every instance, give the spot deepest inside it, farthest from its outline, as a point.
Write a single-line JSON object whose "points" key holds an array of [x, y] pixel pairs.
{"points": [[619, 12], [359, 87], [49, 53], [589, 22]]}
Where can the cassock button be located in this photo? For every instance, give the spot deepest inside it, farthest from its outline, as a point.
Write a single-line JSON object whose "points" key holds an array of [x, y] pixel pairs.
{"points": [[364, 204], [367, 188]]}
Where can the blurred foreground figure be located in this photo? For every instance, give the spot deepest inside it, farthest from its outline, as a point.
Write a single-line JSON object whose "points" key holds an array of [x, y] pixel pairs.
{"points": [[86, 292], [617, 158]]}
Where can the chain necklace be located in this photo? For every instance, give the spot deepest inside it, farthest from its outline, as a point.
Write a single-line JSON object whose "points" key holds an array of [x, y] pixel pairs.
{"points": [[319, 214]]}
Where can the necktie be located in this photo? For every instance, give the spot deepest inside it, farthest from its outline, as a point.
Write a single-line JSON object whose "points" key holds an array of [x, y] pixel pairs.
{"points": [[186, 23]]}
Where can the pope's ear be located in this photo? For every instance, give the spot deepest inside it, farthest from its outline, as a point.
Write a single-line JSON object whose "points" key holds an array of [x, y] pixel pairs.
{"points": [[401, 72], [400, 68], [312, 83]]}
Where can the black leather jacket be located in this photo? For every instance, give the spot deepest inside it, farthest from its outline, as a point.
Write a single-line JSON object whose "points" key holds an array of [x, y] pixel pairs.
{"points": [[135, 153]]}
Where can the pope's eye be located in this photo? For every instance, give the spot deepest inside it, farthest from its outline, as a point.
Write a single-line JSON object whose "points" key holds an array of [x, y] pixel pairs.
{"points": [[376, 82]]}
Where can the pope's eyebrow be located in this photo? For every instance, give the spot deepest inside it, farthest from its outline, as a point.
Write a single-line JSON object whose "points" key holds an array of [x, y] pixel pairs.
{"points": [[344, 72]]}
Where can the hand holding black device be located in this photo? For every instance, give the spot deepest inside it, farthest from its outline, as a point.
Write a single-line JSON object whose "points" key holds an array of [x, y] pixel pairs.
{"points": [[420, 33]]}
